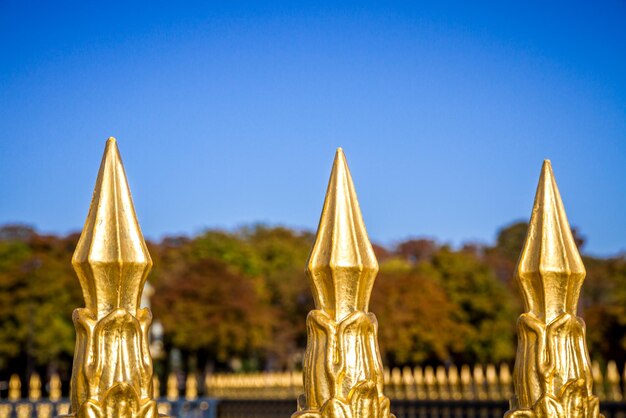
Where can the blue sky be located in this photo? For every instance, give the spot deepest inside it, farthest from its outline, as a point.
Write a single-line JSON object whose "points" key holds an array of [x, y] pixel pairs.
{"points": [[230, 113]]}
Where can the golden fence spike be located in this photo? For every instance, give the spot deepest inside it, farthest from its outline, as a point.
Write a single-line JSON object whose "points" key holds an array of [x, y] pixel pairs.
{"points": [[480, 382], [164, 408], [63, 408], [430, 383], [44, 410], [442, 382], [408, 383], [235, 387], [191, 387], [54, 394], [493, 385], [216, 384], [278, 385], [34, 387], [259, 386], [221, 386], [283, 384], [386, 376], [624, 382], [276, 388], [286, 385], [5, 410], [270, 386], [506, 389], [208, 384], [172, 387], [15, 388], [614, 393], [418, 378], [296, 384], [112, 368], [467, 384], [342, 367], [24, 410], [598, 380], [156, 387], [552, 364], [396, 384], [454, 381]]}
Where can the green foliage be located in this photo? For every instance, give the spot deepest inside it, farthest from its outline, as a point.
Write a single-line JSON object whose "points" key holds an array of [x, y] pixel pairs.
{"points": [[244, 295], [416, 317], [37, 295]]}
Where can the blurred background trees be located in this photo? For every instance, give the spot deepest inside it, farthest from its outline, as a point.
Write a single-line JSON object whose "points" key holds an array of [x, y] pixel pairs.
{"points": [[238, 300]]}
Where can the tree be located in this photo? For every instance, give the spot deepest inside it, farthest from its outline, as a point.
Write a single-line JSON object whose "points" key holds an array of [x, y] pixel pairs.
{"points": [[282, 255], [211, 310], [486, 307], [416, 317], [38, 292]]}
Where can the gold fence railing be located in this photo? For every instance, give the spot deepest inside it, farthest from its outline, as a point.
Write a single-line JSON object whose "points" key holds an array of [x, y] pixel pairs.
{"points": [[343, 373], [475, 382]]}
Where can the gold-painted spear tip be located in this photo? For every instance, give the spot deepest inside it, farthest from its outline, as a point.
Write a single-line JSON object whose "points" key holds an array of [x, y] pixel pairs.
{"points": [[550, 254], [342, 265], [111, 257]]}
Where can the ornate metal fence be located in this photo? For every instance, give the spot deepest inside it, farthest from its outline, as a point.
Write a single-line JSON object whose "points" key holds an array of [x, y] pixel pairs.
{"points": [[469, 391], [343, 374]]}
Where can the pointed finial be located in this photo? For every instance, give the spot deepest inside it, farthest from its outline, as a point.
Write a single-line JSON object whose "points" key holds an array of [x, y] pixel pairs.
{"points": [[55, 388], [15, 388], [550, 269], [191, 387], [612, 379], [342, 265], [111, 258], [156, 387], [34, 387], [172, 387], [552, 362]]}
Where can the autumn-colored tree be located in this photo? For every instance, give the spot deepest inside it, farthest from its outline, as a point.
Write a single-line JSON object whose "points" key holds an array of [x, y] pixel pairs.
{"points": [[486, 307], [603, 303], [417, 319], [209, 309], [38, 291], [243, 294], [282, 254]]}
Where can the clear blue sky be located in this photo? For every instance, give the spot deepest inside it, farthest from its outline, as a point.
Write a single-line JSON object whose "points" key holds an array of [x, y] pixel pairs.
{"points": [[229, 113]]}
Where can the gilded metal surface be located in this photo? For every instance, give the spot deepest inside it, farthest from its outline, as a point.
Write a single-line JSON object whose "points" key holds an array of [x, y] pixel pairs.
{"points": [[112, 372], [34, 388], [552, 375], [343, 373], [15, 388], [54, 388], [172, 387]]}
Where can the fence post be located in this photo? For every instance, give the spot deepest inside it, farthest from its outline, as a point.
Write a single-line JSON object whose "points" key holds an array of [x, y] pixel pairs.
{"points": [[343, 373], [552, 375], [112, 372], [34, 387], [15, 388], [612, 377], [172, 393], [54, 394]]}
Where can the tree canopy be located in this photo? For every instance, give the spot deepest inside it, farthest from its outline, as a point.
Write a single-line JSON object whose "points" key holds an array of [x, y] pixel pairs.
{"points": [[244, 295]]}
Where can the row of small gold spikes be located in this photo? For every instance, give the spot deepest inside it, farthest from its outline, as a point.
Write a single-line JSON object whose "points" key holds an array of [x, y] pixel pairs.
{"points": [[440, 382]]}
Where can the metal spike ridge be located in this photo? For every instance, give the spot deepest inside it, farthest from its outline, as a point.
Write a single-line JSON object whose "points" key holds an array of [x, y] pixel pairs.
{"points": [[552, 375], [342, 265], [111, 258], [550, 270]]}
